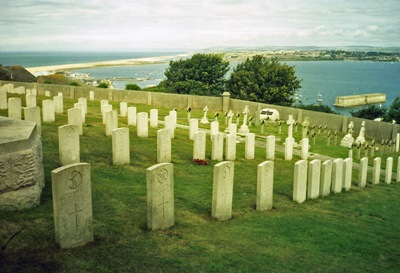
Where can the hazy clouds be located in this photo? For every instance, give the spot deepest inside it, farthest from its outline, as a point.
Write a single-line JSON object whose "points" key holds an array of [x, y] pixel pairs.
{"points": [[156, 24]]}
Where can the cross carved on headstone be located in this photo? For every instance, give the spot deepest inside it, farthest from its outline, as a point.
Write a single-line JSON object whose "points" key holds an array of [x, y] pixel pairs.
{"points": [[75, 213], [163, 203]]}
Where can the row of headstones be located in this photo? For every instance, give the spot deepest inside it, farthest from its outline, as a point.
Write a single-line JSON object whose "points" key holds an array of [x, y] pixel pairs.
{"points": [[72, 198], [313, 179]]}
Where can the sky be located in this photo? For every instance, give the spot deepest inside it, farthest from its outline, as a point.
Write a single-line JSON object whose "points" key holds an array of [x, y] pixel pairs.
{"points": [[76, 25]]}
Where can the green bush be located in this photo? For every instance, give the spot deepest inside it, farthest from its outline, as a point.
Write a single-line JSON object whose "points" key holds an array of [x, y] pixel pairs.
{"points": [[103, 85], [132, 86], [74, 83]]}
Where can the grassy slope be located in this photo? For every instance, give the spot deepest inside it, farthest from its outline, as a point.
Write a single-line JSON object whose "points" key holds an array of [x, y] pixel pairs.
{"points": [[356, 231]]}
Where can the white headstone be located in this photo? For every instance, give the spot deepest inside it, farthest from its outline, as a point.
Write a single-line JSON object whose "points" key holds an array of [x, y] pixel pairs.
{"points": [[169, 124], [217, 151], [193, 127], [72, 205], [289, 142], [102, 104], [376, 171], [132, 116], [204, 119], [160, 196], [142, 124], [14, 108], [230, 149], [314, 177], [362, 177], [3, 98], [164, 146], [120, 146], [397, 142], [233, 129], [111, 121], [123, 108], [47, 93], [68, 144], [398, 170], [33, 114], [83, 101], [304, 148], [58, 104], [326, 178], [347, 173], [300, 181], [80, 106], [91, 95], [337, 175], [48, 111], [153, 118], [106, 108], [270, 148], [199, 145], [290, 123], [174, 116], [214, 128], [265, 185], [30, 100], [388, 170], [222, 190], [250, 145], [75, 118]]}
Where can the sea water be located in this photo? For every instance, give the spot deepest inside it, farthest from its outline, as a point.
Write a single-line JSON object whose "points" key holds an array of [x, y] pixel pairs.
{"points": [[327, 78]]}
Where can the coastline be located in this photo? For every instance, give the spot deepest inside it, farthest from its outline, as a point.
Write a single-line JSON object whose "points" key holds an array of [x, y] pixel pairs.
{"points": [[138, 61]]}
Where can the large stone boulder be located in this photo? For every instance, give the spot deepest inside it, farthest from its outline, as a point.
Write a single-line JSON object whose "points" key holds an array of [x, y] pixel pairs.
{"points": [[21, 168]]}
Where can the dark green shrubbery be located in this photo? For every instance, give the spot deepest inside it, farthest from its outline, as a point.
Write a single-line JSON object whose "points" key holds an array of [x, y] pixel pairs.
{"points": [[132, 86]]}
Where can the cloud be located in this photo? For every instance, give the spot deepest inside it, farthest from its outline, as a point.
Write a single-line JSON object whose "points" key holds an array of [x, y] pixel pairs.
{"points": [[101, 24]]}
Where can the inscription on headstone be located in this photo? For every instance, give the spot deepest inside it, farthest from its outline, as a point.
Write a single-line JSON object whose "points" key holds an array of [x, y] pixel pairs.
{"points": [[265, 184], [222, 190]]}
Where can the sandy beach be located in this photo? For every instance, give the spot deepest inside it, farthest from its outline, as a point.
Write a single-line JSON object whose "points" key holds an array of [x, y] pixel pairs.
{"points": [[137, 61]]}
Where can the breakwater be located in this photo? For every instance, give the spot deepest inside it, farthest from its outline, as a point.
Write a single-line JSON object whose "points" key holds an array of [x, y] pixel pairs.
{"points": [[361, 99]]}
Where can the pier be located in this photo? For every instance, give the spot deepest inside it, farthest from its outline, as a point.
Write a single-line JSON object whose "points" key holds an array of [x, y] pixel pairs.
{"points": [[357, 100]]}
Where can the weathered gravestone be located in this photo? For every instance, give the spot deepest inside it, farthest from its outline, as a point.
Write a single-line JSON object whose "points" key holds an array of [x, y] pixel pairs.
{"points": [[32, 114], [21, 169], [314, 178], [58, 104], [132, 116], [300, 181], [48, 111], [337, 175], [75, 118], [376, 171], [326, 178], [388, 170], [154, 118], [163, 146], [120, 146], [91, 95], [230, 147], [111, 121], [68, 144], [304, 148], [72, 205], [222, 190], [347, 173], [265, 185], [14, 108], [250, 145], [214, 128], [105, 108], [123, 108], [30, 100], [362, 177], [169, 124], [199, 145], [82, 108], [217, 151], [270, 148], [289, 142], [193, 127], [3, 97], [160, 196], [142, 124]]}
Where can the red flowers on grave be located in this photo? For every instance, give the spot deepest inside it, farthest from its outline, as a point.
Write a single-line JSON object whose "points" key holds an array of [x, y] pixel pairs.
{"points": [[200, 161]]}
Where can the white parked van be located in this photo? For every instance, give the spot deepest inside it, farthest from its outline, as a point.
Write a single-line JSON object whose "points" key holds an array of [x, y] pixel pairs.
{"points": [[269, 114]]}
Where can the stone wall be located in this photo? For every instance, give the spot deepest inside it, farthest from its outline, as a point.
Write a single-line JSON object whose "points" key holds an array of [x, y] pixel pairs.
{"points": [[21, 168], [377, 130]]}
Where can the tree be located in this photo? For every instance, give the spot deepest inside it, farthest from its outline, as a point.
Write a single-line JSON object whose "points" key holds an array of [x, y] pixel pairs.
{"points": [[263, 80], [202, 74], [369, 112], [393, 113]]}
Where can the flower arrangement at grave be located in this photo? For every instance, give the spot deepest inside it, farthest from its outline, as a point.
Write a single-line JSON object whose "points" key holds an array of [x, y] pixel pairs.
{"points": [[201, 161]]}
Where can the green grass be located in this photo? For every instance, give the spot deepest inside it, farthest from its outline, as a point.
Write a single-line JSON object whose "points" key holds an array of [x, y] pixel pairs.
{"points": [[355, 231]]}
